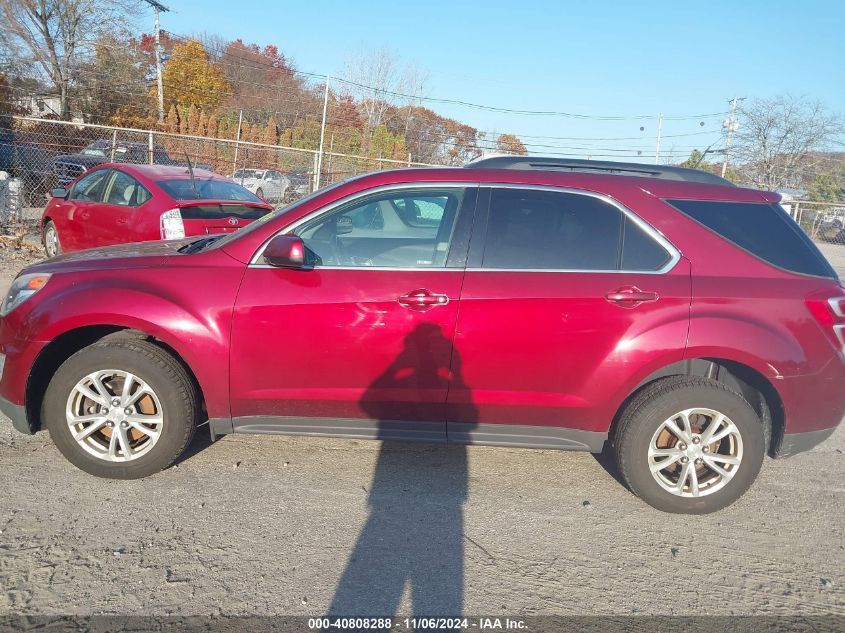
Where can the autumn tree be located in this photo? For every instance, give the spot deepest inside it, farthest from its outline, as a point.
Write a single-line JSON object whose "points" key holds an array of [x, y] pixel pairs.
{"points": [[191, 79], [112, 86], [343, 113], [56, 34], [778, 140], [510, 144], [263, 83]]}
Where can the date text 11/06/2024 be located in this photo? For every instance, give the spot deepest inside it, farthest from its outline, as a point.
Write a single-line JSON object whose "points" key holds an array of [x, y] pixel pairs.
{"points": [[415, 624]]}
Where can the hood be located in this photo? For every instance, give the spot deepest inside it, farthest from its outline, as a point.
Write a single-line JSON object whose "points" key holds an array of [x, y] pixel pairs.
{"points": [[135, 255]]}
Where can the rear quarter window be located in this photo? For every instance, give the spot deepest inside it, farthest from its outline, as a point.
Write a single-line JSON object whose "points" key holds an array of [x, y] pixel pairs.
{"points": [[764, 230]]}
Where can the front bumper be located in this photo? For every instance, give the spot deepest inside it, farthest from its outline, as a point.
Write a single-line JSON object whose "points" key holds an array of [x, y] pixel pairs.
{"points": [[17, 414]]}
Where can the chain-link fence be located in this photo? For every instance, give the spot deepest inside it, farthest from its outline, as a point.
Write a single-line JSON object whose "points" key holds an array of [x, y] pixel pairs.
{"points": [[824, 222], [42, 154]]}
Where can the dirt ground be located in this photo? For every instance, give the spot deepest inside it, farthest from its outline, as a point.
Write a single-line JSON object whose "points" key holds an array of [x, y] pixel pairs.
{"points": [[275, 525]]}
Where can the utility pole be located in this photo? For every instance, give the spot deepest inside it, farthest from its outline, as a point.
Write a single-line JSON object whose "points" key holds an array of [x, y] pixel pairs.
{"points": [[659, 132], [731, 125], [237, 144], [158, 8], [322, 136]]}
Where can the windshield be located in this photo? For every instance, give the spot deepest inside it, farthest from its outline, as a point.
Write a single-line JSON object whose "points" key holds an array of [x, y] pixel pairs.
{"points": [[206, 190]]}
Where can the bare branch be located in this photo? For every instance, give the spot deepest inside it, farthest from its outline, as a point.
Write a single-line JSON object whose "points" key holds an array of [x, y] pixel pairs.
{"points": [[779, 140]]}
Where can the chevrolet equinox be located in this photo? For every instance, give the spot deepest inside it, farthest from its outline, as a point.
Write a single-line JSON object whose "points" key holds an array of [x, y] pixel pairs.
{"points": [[688, 323]]}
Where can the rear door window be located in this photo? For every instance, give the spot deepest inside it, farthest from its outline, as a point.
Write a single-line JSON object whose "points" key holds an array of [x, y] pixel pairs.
{"points": [[123, 190], [539, 229], [764, 230]]}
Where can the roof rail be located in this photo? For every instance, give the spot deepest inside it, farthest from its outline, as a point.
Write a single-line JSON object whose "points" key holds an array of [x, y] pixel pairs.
{"points": [[541, 163]]}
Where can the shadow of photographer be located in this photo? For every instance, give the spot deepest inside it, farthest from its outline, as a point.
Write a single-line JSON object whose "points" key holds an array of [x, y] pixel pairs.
{"points": [[414, 535]]}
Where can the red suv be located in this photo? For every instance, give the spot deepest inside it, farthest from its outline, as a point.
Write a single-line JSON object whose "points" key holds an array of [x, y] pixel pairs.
{"points": [[118, 203], [518, 302]]}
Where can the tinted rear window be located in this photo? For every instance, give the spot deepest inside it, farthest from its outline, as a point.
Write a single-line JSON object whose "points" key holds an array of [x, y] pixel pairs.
{"points": [[206, 190], [764, 230], [538, 229], [222, 211]]}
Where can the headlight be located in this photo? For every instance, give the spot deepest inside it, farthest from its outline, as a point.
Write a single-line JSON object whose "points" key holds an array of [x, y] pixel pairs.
{"points": [[22, 289]]}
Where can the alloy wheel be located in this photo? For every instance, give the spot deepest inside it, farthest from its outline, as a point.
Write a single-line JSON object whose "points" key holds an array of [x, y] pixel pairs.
{"points": [[114, 415], [695, 452], [51, 241]]}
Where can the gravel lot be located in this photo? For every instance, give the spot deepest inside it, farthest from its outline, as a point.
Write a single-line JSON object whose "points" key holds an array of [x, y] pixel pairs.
{"points": [[274, 525]]}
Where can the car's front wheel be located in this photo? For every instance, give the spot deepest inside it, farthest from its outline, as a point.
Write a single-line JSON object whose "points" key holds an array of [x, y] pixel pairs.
{"points": [[121, 408], [52, 245], [689, 444]]}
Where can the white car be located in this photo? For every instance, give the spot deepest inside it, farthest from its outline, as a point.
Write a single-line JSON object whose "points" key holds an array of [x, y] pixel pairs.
{"points": [[268, 184]]}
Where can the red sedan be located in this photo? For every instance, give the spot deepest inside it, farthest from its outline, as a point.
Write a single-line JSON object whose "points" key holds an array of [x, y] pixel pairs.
{"points": [[117, 203]]}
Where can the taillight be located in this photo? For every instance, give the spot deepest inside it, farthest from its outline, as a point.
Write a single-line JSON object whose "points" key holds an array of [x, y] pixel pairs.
{"points": [[830, 314], [172, 227]]}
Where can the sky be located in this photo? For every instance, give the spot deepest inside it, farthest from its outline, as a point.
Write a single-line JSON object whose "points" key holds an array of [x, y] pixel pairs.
{"points": [[599, 59]]}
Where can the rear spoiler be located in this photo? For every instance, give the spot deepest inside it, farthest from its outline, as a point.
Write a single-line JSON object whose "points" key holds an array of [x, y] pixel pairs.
{"points": [[211, 201]]}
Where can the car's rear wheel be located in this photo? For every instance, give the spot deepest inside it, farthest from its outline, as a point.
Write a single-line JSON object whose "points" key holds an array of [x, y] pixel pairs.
{"points": [[260, 193], [689, 444], [52, 245], [121, 409]]}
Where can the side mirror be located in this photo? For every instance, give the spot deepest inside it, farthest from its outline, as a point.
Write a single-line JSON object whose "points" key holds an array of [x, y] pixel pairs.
{"points": [[59, 192], [286, 251]]}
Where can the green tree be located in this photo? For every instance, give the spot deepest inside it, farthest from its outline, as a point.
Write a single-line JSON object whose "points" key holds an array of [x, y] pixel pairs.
{"points": [[827, 186]]}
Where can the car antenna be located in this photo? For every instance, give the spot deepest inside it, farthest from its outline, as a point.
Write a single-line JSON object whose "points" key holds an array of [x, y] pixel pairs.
{"points": [[191, 171]]}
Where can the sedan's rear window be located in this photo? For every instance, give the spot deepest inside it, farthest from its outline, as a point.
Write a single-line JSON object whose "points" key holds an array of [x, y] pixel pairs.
{"points": [[764, 230], [206, 190]]}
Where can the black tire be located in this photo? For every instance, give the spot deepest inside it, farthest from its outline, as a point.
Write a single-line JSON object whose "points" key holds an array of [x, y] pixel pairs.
{"points": [[260, 193], [660, 401], [164, 374], [49, 226]]}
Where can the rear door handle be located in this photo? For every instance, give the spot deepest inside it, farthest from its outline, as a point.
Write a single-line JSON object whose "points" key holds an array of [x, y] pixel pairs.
{"points": [[422, 300], [630, 296]]}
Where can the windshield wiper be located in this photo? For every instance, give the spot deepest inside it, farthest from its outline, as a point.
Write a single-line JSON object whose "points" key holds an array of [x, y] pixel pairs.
{"points": [[198, 245]]}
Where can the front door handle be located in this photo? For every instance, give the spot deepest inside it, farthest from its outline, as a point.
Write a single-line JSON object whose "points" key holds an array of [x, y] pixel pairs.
{"points": [[422, 300], [630, 296]]}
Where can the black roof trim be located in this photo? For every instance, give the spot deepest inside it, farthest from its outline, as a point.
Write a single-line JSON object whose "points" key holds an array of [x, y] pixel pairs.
{"points": [[540, 163]]}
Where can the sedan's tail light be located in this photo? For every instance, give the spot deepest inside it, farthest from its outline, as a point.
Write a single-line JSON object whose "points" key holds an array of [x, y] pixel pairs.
{"points": [[172, 227], [830, 313]]}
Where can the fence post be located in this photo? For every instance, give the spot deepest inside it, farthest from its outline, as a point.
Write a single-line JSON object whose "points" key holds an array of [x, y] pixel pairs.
{"points": [[237, 142], [113, 144], [331, 152]]}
